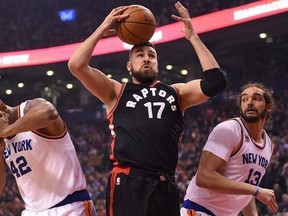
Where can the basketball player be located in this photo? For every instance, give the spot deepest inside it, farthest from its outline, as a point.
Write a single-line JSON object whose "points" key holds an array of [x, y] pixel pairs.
{"points": [[40, 154], [146, 119], [234, 160]]}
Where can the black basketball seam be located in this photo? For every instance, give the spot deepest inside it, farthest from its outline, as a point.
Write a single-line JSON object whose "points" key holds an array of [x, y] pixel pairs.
{"points": [[141, 9], [137, 22], [127, 30], [120, 31]]}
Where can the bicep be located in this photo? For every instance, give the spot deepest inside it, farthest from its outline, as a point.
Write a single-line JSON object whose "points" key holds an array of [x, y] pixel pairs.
{"points": [[48, 120], [97, 83], [208, 172], [210, 162], [190, 94]]}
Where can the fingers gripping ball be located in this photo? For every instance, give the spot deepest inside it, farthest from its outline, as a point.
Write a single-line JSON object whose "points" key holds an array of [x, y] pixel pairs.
{"points": [[138, 27]]}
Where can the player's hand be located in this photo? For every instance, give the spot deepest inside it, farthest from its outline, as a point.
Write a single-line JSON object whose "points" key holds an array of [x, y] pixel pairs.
{"points": [[267, 197], [184, 17], [114, 16]]}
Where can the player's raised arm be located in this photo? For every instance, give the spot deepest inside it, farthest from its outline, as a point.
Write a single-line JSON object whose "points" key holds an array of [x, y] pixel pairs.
{"points": [[214, 81], [93, 79], [39, 115]]}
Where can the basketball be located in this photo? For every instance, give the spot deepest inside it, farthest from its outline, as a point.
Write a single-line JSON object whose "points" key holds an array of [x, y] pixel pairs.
{"points": [[138, 27]]}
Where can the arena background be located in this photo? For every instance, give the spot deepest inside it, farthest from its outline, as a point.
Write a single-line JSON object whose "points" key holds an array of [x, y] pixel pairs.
{"points": [[28, 25]]}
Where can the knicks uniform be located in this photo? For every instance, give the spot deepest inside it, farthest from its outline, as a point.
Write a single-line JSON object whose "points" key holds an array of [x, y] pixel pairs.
{"points": [[48, 173], [248, 164], [146, 125]]}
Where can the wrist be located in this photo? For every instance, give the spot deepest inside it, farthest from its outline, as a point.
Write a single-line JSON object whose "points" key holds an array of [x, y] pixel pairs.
{"points": [[256, 191], [194, 38]]}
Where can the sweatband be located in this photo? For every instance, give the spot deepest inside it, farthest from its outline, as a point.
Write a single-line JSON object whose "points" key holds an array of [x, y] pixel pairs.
{"points": [[257, 191], [214, 81]]}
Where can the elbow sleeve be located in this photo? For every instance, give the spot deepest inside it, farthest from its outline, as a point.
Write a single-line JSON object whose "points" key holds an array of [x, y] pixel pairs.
{"points": [[214, 81]]}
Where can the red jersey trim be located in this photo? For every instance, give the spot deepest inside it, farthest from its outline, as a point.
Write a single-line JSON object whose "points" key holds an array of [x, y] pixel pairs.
{"points": [[52, 137], [239, 145], [118, 99]]}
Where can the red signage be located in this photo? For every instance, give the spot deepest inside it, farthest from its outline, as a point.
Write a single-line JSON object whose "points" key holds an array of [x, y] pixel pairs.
{"points": [[162, 34]]}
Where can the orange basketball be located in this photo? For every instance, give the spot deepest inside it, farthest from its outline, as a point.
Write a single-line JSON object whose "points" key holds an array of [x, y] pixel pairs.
{"points": [[138, 27]]}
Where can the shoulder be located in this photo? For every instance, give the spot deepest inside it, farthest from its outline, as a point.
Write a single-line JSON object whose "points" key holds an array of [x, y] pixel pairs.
{"points": [[177, 86], [229, 125], [173, 87], [36, 101], [229, 131], [224, 139]]}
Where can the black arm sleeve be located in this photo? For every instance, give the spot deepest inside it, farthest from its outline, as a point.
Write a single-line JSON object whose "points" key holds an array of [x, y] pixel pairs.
{"points": [[214, 81]]}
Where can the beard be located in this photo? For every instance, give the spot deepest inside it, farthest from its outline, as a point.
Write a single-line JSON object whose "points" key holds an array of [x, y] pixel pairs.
{"points": [[252, 119], [146, 78]]}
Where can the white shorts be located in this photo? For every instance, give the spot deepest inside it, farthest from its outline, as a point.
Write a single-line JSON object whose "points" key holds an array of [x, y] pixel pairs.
{"points": [[81, 208], [188, 212]]}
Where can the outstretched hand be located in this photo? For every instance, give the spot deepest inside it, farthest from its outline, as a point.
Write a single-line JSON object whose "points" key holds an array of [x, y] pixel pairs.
{"points": [[184, 17], [115, 15]]}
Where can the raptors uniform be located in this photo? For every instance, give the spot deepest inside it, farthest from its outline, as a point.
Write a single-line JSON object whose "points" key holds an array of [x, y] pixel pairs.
{"points": [[48, 173], [248, 164], [146, 125]]}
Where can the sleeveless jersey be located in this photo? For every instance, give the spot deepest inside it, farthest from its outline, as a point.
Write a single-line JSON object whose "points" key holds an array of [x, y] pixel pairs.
{"points": [[248, 165], [146, 125], [46, 168]]}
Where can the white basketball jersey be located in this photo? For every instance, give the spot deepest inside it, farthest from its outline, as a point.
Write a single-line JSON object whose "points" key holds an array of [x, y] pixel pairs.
{"points": [[46, 168], [248, 165]]}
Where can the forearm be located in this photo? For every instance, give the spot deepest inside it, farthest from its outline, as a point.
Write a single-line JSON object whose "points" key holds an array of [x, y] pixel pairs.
{"points": [[205, 57], [215, 181], [83, 53]]}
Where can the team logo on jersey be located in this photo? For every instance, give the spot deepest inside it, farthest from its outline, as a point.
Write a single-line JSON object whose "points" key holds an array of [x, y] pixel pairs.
{"points": [[156, 105], [16, 147], [149, 92], [118, 181]]}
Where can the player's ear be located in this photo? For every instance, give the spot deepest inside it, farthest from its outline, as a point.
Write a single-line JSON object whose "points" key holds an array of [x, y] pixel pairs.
{"points": [[269, 108], [128, 66]]}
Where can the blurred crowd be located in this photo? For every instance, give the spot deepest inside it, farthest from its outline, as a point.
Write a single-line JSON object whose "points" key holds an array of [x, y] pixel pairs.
{"points": [[36, 24]]}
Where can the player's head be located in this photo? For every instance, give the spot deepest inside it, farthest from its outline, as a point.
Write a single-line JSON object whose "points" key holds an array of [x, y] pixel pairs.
{"points": [[255, 102], [143, 63]]}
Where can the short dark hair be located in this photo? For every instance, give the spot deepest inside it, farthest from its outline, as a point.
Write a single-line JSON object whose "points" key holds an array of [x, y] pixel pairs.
{"points": [[268, 92], [141, 44]]}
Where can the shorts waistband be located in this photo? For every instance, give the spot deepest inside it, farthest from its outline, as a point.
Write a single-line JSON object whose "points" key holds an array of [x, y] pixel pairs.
{"points": [[192, 205], [133, 171], [77, 196]]}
